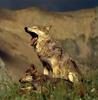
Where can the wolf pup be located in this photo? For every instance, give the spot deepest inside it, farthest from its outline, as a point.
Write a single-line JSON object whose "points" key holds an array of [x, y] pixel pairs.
{"points": [[50, 53], [34, 81]]}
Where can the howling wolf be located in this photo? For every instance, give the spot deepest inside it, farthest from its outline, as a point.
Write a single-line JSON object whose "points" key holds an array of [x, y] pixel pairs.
{"points": [[50, 53]]}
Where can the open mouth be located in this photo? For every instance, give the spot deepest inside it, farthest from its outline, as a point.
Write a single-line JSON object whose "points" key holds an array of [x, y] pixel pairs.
{"points": [[34, 41], [33, 35]]}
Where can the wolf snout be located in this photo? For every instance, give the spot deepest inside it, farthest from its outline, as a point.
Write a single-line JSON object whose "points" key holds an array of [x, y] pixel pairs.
{"points": [[22, 81]]}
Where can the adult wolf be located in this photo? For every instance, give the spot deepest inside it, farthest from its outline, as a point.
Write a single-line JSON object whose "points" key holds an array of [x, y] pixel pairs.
{"points": [[50, 53]]}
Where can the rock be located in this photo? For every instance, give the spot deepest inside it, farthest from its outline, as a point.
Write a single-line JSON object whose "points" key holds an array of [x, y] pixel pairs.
{"points": [[5, 80], [70, 46]]}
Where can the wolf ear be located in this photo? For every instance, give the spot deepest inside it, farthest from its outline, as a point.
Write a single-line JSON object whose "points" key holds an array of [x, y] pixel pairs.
{"points": [[48, 28]]}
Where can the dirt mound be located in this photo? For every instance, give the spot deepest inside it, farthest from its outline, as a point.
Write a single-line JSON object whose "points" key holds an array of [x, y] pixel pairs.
{"points": [[78, 26]]}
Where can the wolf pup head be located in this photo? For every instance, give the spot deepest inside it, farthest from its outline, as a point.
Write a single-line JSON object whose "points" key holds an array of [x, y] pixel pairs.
{"points": [[37, 33], [30, 74]]}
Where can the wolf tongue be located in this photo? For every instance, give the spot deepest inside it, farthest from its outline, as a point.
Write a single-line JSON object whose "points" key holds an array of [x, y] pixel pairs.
{"points": [[33, 41]]}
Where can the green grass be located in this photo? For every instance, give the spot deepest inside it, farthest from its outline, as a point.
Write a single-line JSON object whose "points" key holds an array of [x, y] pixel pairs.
{"points": [[60, 92]]}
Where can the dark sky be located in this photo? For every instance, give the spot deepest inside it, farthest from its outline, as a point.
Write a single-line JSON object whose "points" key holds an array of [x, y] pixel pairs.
{"points": [[53, 5]]}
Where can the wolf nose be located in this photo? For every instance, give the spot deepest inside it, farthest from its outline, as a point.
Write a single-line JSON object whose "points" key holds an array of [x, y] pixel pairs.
{"points": [[20, 80], [26, 29]]}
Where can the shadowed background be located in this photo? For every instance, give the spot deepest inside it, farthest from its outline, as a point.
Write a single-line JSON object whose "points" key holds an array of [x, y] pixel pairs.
{"points": [[52, 5]]}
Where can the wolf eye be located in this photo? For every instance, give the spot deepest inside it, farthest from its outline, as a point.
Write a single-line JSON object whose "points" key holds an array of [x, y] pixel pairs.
{"points": [[34, 27]]}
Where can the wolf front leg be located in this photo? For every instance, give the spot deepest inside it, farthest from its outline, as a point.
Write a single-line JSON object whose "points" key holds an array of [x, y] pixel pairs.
{"points": [[47, 66], [46, 72]]}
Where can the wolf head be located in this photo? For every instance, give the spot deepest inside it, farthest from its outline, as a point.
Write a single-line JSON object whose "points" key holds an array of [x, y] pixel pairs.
{"points": [[30, 74], [37, 33]]}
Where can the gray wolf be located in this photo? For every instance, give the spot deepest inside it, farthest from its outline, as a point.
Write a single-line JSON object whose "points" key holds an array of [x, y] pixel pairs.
{"points": [[55, 62]]}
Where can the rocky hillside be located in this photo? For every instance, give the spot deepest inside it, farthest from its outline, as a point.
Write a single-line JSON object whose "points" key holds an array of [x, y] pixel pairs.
{"points": [[76, 30]]}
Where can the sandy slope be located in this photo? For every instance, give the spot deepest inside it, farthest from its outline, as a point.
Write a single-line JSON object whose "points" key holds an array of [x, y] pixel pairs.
{"points": [[14, 42]]}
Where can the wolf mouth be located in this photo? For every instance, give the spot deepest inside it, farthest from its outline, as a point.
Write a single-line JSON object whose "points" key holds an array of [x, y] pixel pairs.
{"points": [[33, 35]]}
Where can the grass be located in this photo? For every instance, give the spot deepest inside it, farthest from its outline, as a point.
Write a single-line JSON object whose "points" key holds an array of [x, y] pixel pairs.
{"points": [[60, 92]]}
